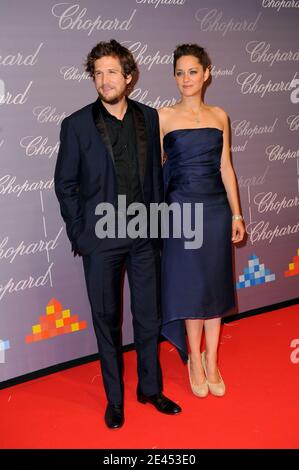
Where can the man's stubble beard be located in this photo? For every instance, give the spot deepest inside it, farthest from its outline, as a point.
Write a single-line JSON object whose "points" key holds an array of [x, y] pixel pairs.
{"points": [[114, 100]]}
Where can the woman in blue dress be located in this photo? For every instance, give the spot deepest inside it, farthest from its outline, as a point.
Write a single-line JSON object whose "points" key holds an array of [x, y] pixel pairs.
{"points": [[197, 284]]}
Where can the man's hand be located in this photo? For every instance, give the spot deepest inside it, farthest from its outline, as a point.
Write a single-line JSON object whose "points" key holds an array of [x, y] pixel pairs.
{"points": [[75, 251]]}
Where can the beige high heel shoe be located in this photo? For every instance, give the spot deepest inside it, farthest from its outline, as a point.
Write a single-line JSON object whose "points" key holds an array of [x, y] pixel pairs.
{"points": [[198, 390], [217, 389]]}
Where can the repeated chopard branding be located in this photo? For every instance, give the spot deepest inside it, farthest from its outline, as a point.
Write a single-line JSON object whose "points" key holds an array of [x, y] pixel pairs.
{"points": [[72, 17], [277, 152], [164, 3], [12, 286], [220, 72], [10, 185], [16, 97], [215, 21], [293, 122], [245, 128], [255, 84], [272, 202], [263, 53], [38, 146], [264, 231], [20, 58], [10, 253], [278, 4], [48, 114], [144, 96], [144, 57], [73, 73]]}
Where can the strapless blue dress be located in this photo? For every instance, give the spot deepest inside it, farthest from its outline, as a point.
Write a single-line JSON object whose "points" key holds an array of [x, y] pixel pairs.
{"points": [[196, 283]]}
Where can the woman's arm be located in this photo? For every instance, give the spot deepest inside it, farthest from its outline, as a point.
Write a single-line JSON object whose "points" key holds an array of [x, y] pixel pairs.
{"points": [[161, 113], [230, 182]]}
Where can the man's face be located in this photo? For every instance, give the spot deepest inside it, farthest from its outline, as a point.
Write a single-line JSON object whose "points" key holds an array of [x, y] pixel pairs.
{"points": [[109, 79]]}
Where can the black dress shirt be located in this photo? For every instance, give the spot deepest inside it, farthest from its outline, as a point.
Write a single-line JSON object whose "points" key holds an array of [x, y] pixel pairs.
{"points": [[123, 141]]}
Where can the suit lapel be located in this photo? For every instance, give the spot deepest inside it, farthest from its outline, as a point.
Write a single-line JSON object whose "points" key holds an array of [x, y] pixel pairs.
{"points": [[141, 139], [101, 127], [141, 129]]}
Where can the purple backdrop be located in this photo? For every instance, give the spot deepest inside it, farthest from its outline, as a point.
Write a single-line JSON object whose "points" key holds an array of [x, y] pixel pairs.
{"points": [[254, 49]]}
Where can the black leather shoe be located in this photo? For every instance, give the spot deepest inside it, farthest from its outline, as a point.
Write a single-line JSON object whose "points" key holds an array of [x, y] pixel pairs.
{"points": [[114, 416], [161, 403]]}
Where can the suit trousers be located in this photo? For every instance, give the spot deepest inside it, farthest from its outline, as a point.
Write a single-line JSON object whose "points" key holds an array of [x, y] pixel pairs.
{"points": [[104, 272]]}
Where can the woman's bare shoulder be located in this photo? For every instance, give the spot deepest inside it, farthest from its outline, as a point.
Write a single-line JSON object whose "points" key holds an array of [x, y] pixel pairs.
{"points": [[166, 115], [166, 111], [219, 112]]}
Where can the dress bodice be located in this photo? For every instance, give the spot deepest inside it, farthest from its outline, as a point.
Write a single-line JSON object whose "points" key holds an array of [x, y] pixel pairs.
{"points": [[193, 156]]}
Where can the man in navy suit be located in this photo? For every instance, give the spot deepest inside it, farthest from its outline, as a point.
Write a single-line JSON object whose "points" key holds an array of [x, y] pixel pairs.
{"points": [[112, 148]]}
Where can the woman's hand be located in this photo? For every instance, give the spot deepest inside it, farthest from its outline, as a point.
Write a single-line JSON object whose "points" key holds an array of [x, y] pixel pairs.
{"points": [[238, 231]]}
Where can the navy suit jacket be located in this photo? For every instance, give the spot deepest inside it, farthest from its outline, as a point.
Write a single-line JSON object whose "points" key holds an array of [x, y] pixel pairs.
{"points": [[85, 173]]}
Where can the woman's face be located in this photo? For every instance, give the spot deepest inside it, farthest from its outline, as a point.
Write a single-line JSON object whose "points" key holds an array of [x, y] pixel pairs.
{"points": [[190, 76]]}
